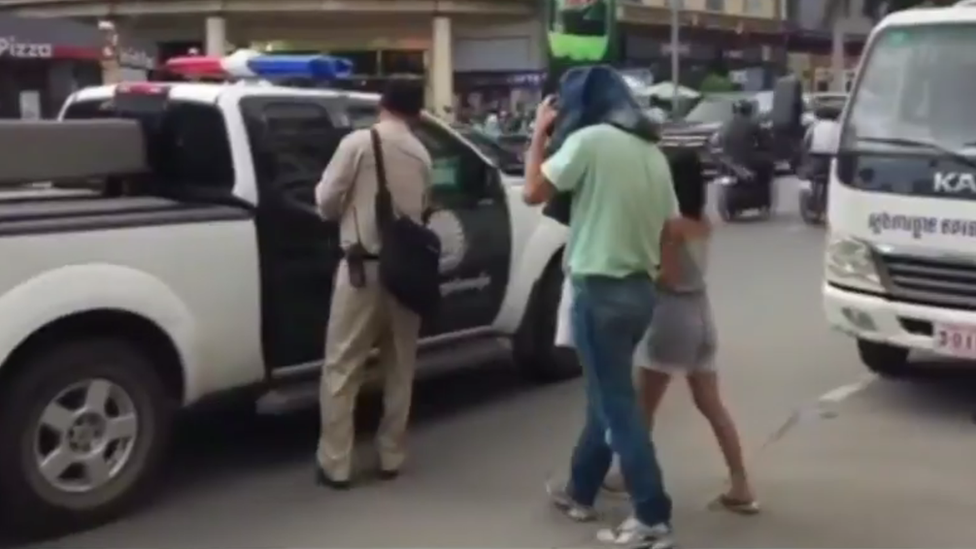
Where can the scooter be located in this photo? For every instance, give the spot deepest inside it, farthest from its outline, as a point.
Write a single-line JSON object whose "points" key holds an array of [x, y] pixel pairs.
{"points": [[739, 191]]}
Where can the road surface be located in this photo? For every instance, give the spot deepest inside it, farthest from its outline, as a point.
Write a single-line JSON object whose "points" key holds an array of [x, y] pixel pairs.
{"points": [[887, 465]]}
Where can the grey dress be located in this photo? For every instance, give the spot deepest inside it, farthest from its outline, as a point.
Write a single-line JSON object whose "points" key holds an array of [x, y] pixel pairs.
{"points": [[681, 338]]}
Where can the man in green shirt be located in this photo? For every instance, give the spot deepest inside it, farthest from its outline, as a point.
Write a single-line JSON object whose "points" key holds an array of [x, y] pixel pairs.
{"points": [[622, 198]]}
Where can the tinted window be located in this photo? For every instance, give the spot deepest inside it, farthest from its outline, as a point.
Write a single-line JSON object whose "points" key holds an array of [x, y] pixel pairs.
{"points": [[445, 153], [445, 149], [298, 134], [916, 83], [190, 144]]}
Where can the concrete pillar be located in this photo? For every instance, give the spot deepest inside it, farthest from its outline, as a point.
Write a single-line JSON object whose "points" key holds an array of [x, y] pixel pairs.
{"points": [[440, 75], [838, 55], [215, 39]]}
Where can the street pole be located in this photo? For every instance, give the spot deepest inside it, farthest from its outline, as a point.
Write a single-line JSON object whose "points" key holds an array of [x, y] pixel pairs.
{"points": [[675, 55]]}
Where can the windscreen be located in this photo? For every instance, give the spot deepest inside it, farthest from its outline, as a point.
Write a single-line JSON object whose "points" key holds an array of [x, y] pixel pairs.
{"points": [[712, 109], [188, 144], [917, 83]]}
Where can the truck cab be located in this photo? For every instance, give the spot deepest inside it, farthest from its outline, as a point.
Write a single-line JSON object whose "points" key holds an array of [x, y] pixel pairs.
{"points": [[209, 275], [900, 266]]}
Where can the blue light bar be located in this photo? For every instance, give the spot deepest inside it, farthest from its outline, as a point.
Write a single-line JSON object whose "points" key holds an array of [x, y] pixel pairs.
{"points": [[315, 67]]}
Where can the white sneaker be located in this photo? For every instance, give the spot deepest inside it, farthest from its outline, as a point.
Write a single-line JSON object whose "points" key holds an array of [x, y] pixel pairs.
{"points": [[635, 534], [561, 499]]}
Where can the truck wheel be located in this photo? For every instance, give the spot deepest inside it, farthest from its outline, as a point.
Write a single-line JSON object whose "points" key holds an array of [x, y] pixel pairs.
{"points": [[884, 360], [83, 432], [536, 354]]}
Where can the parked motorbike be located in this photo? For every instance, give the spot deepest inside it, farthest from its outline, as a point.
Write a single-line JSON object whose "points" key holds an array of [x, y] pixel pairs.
{"points": [[740, 190]]}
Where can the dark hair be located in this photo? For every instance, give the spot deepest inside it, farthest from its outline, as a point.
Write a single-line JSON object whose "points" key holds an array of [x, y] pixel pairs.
{"points": [[688, 179], [404, 97]]}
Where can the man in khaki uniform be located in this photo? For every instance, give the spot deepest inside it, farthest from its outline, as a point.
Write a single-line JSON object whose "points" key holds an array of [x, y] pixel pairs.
{"points": [[368, 317]]}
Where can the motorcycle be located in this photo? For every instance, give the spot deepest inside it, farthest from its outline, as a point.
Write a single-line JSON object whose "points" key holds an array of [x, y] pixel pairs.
{"points": [[739, 190]]}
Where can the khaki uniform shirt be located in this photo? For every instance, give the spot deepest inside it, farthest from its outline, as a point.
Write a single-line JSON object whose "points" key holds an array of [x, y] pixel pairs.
{"points": [[348, 187]]}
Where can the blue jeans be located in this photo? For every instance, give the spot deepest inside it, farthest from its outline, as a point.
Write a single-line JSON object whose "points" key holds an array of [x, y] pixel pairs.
{"points": [[610, 315]]}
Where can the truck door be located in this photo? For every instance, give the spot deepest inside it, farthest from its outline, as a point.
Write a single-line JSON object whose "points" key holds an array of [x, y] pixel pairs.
{"points": [[470, 215], [292, 139]]}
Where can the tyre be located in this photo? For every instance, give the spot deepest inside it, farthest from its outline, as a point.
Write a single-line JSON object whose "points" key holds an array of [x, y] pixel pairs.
{"points": [[884, 360], [535, 351], [84, 428]]}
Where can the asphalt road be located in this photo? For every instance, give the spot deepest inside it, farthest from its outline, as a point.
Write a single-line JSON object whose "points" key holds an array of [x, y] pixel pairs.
{"points": [[890, 465]]}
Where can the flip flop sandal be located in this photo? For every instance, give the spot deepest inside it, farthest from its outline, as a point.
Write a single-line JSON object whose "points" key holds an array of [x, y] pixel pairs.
{"points": [[737, 506]]}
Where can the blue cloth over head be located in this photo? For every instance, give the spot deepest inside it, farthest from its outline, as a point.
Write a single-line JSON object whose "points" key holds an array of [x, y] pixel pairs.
{"points": [[588, 96]]}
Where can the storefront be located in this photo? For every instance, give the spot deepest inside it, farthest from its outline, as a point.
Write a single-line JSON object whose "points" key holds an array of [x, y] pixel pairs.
{"points": [[751, 51], [44, 60], [499, 91]]}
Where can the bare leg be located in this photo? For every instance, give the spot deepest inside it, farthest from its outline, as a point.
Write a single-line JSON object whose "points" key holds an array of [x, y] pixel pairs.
{"points": [[705, 392], [653, 385]]}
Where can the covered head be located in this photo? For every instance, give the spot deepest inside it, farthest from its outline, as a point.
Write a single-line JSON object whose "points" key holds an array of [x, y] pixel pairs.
{"points": [[589, 96], [598, 95]]}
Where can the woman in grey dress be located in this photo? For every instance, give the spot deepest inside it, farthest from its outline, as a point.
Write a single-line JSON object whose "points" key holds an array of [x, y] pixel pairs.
{"points": [[681, 339]]}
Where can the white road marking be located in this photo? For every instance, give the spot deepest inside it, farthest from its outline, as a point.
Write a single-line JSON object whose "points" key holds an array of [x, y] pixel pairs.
{"points": [[823, 407]]}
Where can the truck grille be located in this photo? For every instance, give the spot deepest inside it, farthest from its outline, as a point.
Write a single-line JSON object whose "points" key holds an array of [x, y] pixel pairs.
{"points": [[926, 280]]}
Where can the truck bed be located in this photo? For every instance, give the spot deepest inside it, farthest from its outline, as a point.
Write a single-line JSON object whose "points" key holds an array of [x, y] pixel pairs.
{"points": [[43, 211]]}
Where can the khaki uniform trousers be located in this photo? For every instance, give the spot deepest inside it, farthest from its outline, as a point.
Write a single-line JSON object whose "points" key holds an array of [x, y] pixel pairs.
{"points": [[360, 320]]}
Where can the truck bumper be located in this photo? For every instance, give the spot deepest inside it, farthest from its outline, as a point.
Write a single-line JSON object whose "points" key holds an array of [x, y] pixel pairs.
{"points": [[895, 323]]}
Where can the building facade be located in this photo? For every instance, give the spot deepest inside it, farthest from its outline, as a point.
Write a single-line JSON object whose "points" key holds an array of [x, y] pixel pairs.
{"points": [[813, 28], [430, 39], [744, 39], [44, 60]]}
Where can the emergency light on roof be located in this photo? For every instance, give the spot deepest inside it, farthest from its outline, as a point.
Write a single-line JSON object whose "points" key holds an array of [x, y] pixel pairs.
{"points": [[249, 64]]}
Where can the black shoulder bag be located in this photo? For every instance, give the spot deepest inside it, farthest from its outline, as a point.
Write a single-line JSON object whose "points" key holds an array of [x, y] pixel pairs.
{"points": [[410, 253]]}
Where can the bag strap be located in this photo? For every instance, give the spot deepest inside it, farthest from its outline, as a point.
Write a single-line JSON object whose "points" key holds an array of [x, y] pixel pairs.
{"points": [[384, 201]]}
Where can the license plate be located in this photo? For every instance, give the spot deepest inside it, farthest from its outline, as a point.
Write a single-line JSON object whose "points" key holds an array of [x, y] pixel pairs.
{"points": [[958, 340], [806, 185]]}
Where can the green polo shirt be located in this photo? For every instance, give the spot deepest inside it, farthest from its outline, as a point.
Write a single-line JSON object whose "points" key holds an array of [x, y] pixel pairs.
{"points": [[622, 196]]}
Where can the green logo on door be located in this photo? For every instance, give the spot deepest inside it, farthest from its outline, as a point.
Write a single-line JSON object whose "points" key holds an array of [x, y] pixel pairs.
{"points": [[581, 30]]}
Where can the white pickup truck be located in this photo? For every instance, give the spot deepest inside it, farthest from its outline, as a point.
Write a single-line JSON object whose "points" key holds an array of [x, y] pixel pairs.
{"points": [[209, 276]]}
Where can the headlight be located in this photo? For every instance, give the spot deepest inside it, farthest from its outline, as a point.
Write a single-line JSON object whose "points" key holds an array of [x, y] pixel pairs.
{"points": [[849, 262], [715, 139]]}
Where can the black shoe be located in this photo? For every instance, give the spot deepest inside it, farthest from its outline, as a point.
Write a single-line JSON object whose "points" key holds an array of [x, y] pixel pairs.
{"points": [[389, 474], [324, 480]]}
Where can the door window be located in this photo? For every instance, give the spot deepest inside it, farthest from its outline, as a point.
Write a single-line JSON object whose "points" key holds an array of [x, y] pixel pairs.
{"points": [[189, 144], [292, 141], [457, 170], [446, 154]]}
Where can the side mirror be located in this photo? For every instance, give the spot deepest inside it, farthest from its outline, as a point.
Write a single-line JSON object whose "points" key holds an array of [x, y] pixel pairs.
{"points": [[786, 114]]}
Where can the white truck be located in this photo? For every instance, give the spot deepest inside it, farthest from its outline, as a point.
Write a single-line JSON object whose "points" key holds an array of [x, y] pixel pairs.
{"points": [[208, 275], [900, 270]]}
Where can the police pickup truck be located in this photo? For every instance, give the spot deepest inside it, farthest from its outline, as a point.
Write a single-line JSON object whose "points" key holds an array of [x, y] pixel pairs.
{"points": [[208, 274]]}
